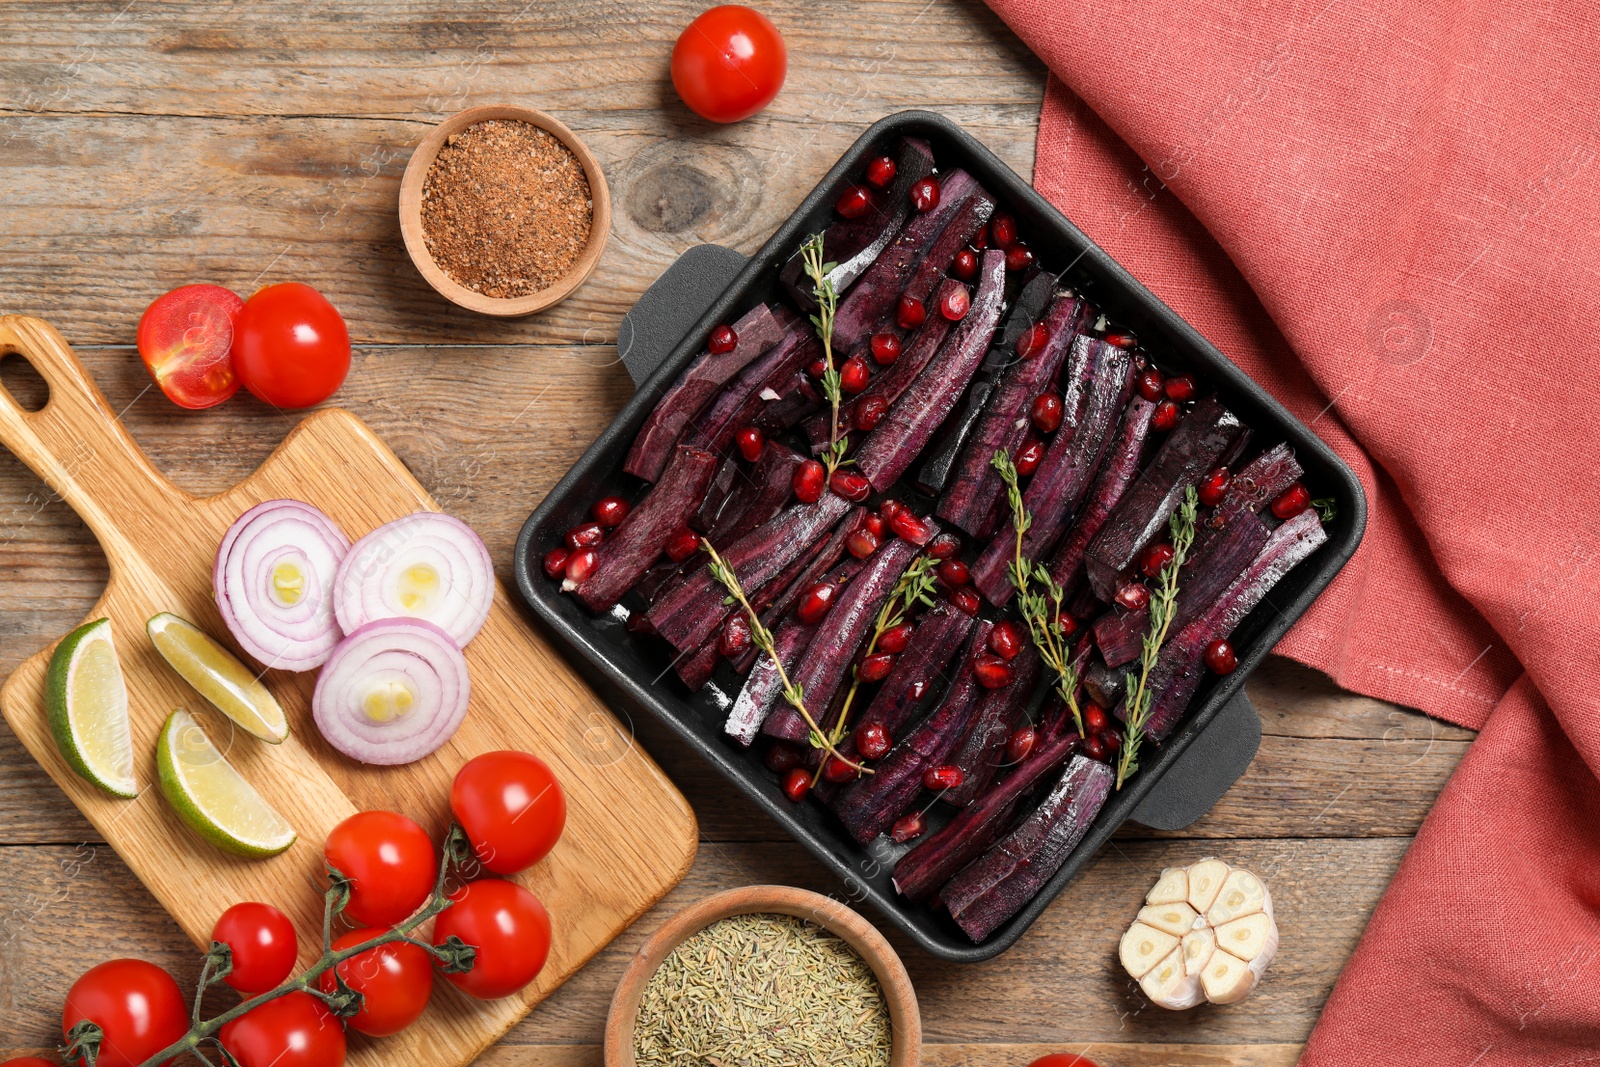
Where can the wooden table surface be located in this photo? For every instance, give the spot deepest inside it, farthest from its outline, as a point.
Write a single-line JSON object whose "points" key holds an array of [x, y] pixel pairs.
{"points": [[148, 143]]}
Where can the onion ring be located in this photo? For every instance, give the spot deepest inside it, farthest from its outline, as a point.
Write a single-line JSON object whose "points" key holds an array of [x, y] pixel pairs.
{"points": [[393, 691], [273, 582], [426, 566]]}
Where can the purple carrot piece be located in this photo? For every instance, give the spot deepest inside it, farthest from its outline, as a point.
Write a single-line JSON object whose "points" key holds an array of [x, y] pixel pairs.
{"points": [[742, 401], [871, 804], [1063, 477], [789, 405], [977, 486], [1104, 685], [943, 853], [1119, 635], [717, 495], [1001, 711], [623, 558], [887, 451], [695, 669], [762, 686], [758, 329], [873, 299], [1117, 471], [855, 244], [827, 660], [770, 486], [1250, 490], [1180, 666], [999, 883], [806, 571], [687, 614], [1212, 567], [1190, 450], [970, 217]]}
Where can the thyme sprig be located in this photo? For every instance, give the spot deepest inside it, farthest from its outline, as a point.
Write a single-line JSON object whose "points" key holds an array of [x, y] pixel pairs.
{"points": [[827, 298], [1162, 602], [1039, 598], [761, 637]]}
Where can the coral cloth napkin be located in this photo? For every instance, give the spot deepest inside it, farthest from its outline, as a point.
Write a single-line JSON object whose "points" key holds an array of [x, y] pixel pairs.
{"points": [[1389, 215]]}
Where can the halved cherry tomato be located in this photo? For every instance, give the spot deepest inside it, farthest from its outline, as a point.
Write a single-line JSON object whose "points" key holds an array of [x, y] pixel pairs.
{"points": [[729, 63], [263, 943], [394, 980], [291, 347], [391, 864], [137, 1006], [294, 1030], [184, 340], [511, 807], [509, 928]]}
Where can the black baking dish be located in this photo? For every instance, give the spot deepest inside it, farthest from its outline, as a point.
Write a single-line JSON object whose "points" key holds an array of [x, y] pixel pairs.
{"points": [[633, 673]]}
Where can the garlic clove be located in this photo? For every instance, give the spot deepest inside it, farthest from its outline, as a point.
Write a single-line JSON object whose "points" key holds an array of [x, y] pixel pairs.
{"points": [[1248, 937], [1205, 881], [1226, 978], [1143, 947], [1168, 986], [1171, 888], [1175, 919], [1242, 893], [1197, 949]]}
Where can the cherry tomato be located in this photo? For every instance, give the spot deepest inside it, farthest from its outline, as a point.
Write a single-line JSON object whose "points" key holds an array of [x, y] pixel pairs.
{"points": [[29, 1061], [184, 339], [294, 1030], [263, 944], [137, 1006], [511, 807], [391, 864], [729, 63], [1062, 1059], [509, 928], [290, 346], [394, 980]]}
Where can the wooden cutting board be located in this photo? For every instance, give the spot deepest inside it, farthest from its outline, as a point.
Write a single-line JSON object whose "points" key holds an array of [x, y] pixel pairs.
{"points": [[630, 835]]}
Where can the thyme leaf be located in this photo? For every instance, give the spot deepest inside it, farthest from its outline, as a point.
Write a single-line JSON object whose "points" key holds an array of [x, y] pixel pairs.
{"points": [[827, 298]]}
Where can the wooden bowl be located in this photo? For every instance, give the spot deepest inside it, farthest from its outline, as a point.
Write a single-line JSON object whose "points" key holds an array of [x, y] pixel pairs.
{"points": [[904, 1017], [411, 214]]}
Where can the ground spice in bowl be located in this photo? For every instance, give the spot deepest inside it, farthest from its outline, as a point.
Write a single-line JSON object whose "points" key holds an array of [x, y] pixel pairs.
{"points": [[506, 208], [763, 990]]}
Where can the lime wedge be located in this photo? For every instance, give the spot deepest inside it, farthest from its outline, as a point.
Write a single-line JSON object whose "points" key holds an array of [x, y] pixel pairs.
{"points": [[209, 795], [88, 707], [218, 676]]}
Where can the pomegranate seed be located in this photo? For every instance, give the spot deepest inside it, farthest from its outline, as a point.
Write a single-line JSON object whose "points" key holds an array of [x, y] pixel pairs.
{"points": [[874, 523], [1291, 502], [944, 546], [1021, 743], [854, 376], [1032, 340], [1220, 657], [881, 171], [579, 566], [954, 573], [1029, 456], [964, 600], [945, 777], [980, 240], [807, 482], [894, 639], [1112, 740], [876, 667], [885, 348], [815, 602], [862, 543], [1019, 257], [1165, 416], [873, 740], [555, 562], [1094, 748], [908, 827], [888, 509], [750, 441], [1048, 411], [586, 535], [854, 202], [1214, 487], [609, 511], [682, 545], [911, 313], [796, 783], [1151, 385], [1121, 340], [955, 303], [735, 636], [1180, 387], [723, 339], [1154, 559], [910, 527], [837, 770], [780, 757], [1067, 623], [991, 671], [1133, 596], [1003, 229], [850, 485], [869, 412], [817, 367], [1005, 640], [965, 265], [1094, 719], [925, 193]]}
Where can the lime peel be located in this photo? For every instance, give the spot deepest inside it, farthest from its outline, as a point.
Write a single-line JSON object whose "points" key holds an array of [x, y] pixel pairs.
{"points": [[212, 797], [86, 702]]}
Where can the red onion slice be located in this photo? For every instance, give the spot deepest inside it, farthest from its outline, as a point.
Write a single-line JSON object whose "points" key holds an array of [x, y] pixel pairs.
{"points": [[423, 566], [273, 582], [393, 691]]}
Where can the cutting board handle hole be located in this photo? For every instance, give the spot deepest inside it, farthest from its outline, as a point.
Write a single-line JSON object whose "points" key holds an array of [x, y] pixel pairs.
{"points": [[22, 383]]}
